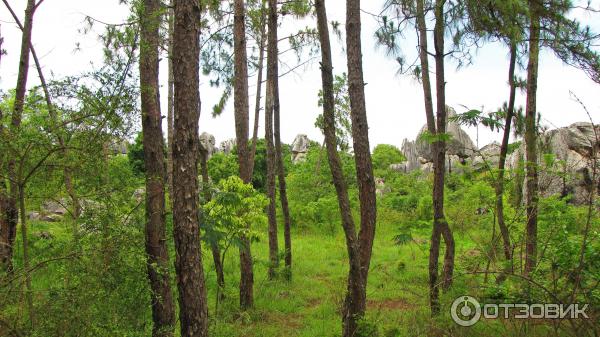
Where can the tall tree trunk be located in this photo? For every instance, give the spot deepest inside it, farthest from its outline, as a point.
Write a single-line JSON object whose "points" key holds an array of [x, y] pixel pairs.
{"points": [[448, 269], [503, 151], [3, 193], [424, 59], [269, 107], [437, 127], [157, 263], [193, 309], [170, 104], [355, 302], [26, 266], [360, 137], [11, 210], [240, 97], [277, 134], [259, 80], [434, 248], [531, 202]]}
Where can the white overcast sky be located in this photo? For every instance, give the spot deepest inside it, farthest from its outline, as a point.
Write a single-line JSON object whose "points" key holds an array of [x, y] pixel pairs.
{"points": [[394, 103]]}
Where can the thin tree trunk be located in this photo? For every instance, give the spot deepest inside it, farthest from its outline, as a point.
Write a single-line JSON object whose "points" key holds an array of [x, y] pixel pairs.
{"points": [[193, 309], [269, 107], [355, 301], [157, 263], [3, 196], [170, 104], [11, 211], [277, 134], [26, 266], [503, 151], [441, 226], [360, 137], [531, 202], [240, 96], [434, 248], [424, 58], [259, 80]]}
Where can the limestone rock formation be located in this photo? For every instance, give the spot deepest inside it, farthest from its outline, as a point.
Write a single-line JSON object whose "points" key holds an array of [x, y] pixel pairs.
{"points": [[207, 141], [487, 156], [300, 148], [419, 156], [226, 146], [566, 161], [460, 143]]}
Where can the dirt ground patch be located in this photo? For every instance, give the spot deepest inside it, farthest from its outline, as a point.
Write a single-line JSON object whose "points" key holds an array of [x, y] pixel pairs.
{"points": [[390, 304]]}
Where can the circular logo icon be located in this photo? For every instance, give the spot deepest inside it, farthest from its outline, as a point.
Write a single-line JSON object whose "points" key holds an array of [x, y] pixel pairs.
{"points": [[465, 311]]}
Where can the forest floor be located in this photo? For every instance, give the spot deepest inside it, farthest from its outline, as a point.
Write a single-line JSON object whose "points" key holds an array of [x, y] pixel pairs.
{"points": [[309, 305]]}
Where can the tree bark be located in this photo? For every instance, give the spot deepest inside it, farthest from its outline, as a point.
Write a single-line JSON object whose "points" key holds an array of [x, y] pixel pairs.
{"points": [[531, 201], [11, 210], [503, 151], [26, 266], [269, 111], [439, 217], [193, 310], [437, 127], [170, 104], [259, 80], [355, 301], [277, 134], [240, 96], [360, 137], [157, 260], [3, 195]]}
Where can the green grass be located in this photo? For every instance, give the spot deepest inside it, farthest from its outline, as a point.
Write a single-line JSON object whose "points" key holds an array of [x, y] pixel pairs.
{"points": [[309, 305]]}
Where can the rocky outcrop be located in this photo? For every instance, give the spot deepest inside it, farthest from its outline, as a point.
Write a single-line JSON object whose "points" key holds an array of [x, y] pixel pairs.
{"points": [[460, 144], [419, 155], [486, 157], [226, 146], [207, 142], [565, 161], [300, 148]]}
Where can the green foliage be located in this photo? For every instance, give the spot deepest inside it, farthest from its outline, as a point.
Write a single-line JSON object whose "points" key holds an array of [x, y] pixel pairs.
{"points": [[222, 166], [384, 155], [343, 126], [312, 197], [433, 138], [234, 208], [135, 155], [491, 120]]}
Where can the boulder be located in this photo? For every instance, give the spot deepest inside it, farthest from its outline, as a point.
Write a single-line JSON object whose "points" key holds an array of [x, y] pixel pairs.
{"points": [[399, 167], [51, 218], [419, 154], [207, 143], [226, 146], [34, 215], [139, 194], [300, 148], [460, 143], [566, 162], [409, 149], [54, 207], [487, 156]]}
